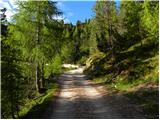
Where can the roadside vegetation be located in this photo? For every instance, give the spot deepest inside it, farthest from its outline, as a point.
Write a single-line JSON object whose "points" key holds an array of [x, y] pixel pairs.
{"points": [[130, 67], [118, 47]]}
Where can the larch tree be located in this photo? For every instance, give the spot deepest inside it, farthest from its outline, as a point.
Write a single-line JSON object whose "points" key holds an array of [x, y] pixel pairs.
{"points": [[150, 18], [105, 18], [132, 21], [32, 33]]}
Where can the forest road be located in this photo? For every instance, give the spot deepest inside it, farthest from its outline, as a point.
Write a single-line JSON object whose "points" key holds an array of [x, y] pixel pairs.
{"points": [[79, 98]]}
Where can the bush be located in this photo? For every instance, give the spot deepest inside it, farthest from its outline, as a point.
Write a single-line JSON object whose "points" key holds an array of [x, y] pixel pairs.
{"points": [[53, 68]]}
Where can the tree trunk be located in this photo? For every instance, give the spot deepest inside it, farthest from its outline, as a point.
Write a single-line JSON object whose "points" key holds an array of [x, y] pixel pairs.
{"points": [[43, 81], [12, 107], [17, 111], [39, 79], [28, 86], [38, 72], [13, 115], [141, 44], [139, 31], [37, 88]]}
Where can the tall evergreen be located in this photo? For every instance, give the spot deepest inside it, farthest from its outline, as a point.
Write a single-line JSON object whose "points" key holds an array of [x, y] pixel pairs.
{"points": [[150, 18], [33, 35], [105, 19]]}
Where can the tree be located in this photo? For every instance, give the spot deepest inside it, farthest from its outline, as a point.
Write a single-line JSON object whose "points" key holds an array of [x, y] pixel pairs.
{"points": [[76, 42], [32, 33], [105, 19], [150, 18], [30, 41], [13, 85]]}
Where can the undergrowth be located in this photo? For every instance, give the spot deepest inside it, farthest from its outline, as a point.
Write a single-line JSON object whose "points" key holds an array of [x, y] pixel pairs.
{"points": [[134, 73], [35, 106]]}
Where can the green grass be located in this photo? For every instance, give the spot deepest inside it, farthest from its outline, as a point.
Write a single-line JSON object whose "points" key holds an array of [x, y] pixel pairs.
{"points": [[137, 69], [33, 107]]}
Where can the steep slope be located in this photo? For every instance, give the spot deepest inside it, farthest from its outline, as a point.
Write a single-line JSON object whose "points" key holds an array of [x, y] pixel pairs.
{"points": [[134, 73]]}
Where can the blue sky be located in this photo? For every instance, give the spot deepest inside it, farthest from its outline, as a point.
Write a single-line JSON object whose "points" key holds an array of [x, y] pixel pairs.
{"points": [[77, 10], [72, 10]]}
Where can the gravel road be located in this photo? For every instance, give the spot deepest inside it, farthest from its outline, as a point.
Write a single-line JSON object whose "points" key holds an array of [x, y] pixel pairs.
{"points": [[78, 98]]}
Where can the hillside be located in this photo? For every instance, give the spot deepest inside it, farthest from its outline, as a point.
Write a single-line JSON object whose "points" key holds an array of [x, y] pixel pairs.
{"points": [[134, 74]]}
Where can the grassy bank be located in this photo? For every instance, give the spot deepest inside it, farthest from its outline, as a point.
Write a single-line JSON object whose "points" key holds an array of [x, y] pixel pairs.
{"points": [[34, 107], [134, 73]]}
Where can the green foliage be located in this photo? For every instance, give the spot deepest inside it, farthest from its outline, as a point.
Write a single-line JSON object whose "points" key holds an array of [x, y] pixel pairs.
{"points": [[94, 65], [33, 107], [13, 82], [150, 18], [92, 40], [76, 42], [53, 68], [128, 40], [105, 24], [118, 46], [36, 35], [31, 40]]}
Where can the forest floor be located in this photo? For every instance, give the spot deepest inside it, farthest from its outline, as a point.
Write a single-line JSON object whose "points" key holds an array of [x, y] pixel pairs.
{"points": [[81, 98]]}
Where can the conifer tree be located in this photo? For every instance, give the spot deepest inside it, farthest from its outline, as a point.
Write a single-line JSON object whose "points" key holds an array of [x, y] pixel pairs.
{"points": [[32, 33], [105, 22]]}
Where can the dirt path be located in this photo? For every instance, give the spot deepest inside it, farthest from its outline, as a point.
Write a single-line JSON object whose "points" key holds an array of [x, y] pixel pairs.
{"points": [[79, 99]]}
